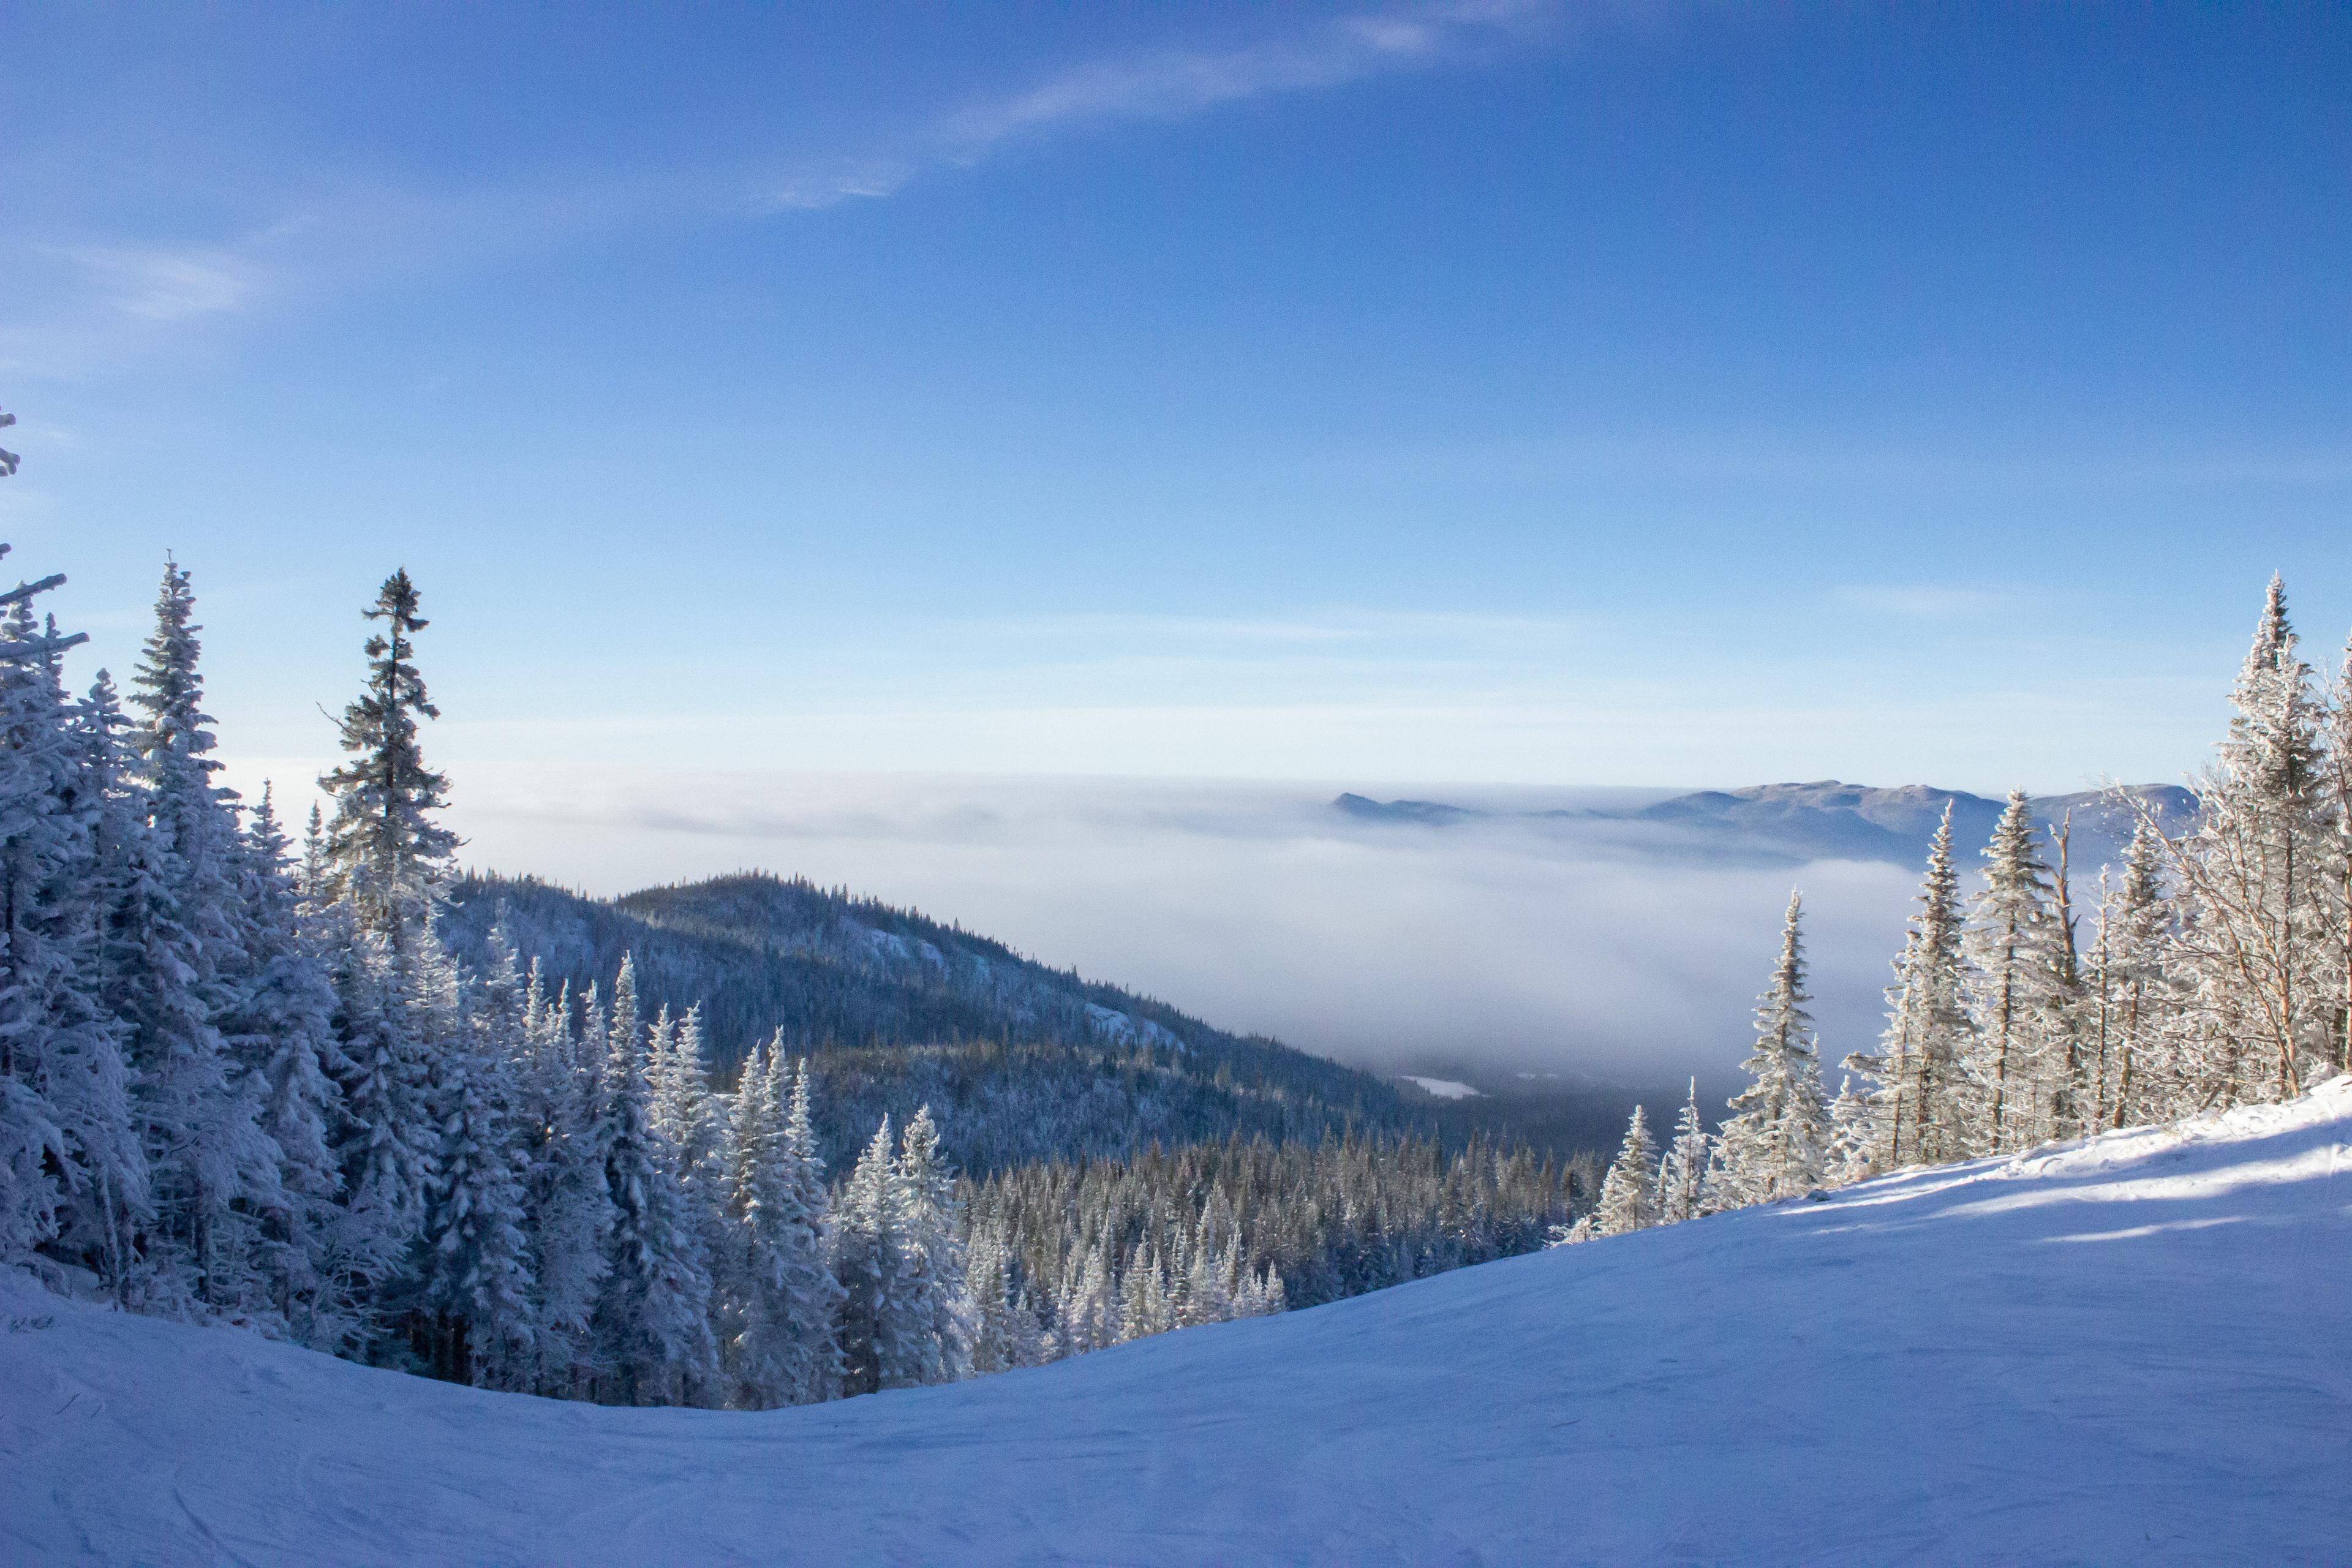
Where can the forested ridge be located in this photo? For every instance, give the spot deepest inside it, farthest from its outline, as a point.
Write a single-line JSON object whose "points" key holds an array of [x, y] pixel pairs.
{"points": [[1021, 1062]]}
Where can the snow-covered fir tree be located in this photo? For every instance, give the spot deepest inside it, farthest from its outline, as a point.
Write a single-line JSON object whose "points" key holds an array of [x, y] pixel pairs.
{"points": [[1090, 1300], [2136, 1011], [1917, 1114], [2256, 948], [282, 1021], [2332, 888], [567, 1197], [653, 1318], [1684, 1170], [782, 1300], [865, 1263], [2020, 955], [1629, 1199], [1005, 1331], [72, 1174], [476, 1290], [928, 1338], [384, 854], [173, 948], [1776, 1143], [383, 862], [1854, 1136]]}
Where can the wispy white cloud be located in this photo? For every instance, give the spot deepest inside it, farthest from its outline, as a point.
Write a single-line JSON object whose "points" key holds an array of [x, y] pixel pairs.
{"points": [[81, 308], [1171, 84], [832, 183], [165, 284], [1928, 601], [1177, 83], [91, 301]]}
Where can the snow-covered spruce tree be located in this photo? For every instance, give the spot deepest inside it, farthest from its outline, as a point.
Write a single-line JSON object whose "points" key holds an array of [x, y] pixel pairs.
{"points": [[1854, 1138], [2018, 958], [748, 1121], [382, 864], [865, 1264], [2069, 1103], [803, 1246], [1628, 1201], [1683, 1173], [476, 1316], [1146, 1304], [384, 854], [568, 1201], [1086, 1312], [1919, 1109], [282, 1018], [1088, 1315], [2254, 952], [2138, 1019], [929, 1337], [2333, 885], [72, 1176], [175, 944], [654, 1316], [687, 1113], [1006, 1332], [110, 802], [1776, 1143], [780, 1299]]}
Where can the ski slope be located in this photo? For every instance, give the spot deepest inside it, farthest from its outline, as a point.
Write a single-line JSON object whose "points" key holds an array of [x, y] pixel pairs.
{"points": [[2134, 1350]]}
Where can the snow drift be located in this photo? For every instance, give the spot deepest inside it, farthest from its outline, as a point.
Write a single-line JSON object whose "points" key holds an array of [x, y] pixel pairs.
{"points": [[2132, 1348]]}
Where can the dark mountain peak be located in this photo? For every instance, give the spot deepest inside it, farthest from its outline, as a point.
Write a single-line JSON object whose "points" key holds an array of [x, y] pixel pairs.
{"points": [[1428, 813]]}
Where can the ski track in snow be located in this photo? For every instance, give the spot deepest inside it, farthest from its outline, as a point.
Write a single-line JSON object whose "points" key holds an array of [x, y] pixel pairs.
{"points": [[2134, 1350]]}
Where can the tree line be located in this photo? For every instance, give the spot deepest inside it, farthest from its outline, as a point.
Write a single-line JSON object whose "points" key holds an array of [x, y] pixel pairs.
{"points": [[2217, 972]]}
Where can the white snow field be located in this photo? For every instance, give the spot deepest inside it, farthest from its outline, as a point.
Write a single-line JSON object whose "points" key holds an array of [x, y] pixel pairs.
{"points": [[2134, 1350]]}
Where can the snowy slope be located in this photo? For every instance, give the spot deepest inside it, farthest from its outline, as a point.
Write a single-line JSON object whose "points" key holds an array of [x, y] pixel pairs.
{"points": [[2134, 1350], [1443, 1088]]}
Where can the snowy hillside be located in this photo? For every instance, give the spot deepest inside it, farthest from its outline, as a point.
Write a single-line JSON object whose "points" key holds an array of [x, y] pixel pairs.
{"points": [[2139, 1349]]}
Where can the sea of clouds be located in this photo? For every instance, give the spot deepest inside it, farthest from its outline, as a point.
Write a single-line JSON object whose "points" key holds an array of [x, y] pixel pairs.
{"points": [[1513, 943]]}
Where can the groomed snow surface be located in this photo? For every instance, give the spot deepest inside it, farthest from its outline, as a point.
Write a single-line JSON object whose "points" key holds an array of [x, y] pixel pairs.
{"points": [[2138, 1349]]}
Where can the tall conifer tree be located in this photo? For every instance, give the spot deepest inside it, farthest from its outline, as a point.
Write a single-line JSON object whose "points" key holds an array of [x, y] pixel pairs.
{"points": [[1775, 1142], [1918, 1112], [1629, 1200], [2018, 954]]}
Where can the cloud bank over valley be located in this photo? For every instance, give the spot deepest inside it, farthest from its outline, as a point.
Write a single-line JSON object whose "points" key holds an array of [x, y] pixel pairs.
{"points": [[1511, 941]]}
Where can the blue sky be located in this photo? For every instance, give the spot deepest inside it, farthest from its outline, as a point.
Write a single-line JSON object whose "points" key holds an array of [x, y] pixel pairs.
{"points": [[1516, 393]]}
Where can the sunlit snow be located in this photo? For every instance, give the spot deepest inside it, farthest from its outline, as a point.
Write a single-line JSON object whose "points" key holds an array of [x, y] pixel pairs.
{"points": [[1443, 1088], [1919, 1369]]}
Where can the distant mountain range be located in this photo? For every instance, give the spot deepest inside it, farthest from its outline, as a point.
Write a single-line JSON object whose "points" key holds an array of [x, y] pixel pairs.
{"points": [[1825, 820]]}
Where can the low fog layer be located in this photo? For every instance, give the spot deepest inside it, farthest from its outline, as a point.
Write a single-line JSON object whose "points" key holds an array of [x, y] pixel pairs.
{"points": [[1501, 945]]}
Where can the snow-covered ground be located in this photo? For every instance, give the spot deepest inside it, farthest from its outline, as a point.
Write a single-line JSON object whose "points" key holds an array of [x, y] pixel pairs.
{"points": [[1443, 1088], [2134, 1350]]}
